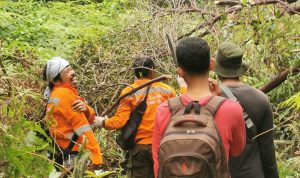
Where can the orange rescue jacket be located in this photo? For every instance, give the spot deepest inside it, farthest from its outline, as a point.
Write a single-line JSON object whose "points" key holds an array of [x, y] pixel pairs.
{"points": [[65, 122], [158, 93]]}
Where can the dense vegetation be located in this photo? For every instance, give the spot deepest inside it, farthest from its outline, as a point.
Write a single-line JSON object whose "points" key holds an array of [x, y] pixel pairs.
{"points": [[100, 38]]}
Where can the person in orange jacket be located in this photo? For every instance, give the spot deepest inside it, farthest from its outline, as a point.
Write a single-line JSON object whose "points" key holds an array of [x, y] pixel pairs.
{"points": [[68, 114], [140, 158]]}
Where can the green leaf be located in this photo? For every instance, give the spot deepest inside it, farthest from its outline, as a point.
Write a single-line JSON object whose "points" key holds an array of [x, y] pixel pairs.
{"points": [[244, 2], [277, 13]]}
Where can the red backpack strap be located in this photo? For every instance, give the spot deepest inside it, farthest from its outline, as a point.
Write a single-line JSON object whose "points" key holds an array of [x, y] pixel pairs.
{"points": [[214, 103]]}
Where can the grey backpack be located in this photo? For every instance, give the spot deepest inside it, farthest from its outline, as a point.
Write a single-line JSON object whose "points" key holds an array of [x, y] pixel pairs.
{"points": [[191, 146]]}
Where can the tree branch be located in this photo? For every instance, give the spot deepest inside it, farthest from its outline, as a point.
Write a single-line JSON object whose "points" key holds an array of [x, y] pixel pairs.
{"points": [[279, 79], [227, 2], [292, 8], [204, 24], [295, 50], [165, 77]]}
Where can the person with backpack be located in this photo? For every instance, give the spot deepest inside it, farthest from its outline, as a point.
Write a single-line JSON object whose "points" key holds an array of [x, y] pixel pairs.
{"points": [[136, 113], [258, 158], [68, 115], [195, 133]]}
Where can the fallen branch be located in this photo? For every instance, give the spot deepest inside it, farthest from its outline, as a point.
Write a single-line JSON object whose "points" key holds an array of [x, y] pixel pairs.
{"points": [[165, 77], [279, 79]]}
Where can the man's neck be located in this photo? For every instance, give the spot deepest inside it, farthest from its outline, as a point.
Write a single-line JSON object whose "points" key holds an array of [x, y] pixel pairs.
{"points": [[232, 82], [198, 88]]}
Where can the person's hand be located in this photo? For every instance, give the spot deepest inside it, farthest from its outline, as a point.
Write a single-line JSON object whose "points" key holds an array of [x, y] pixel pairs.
{"points": [[79, 105], [181, 82], [214, 87], [98, 122]]}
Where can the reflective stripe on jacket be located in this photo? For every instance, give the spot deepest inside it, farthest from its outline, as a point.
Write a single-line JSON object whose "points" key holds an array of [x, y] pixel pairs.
{"points": [[158, 93], [65, 122]]}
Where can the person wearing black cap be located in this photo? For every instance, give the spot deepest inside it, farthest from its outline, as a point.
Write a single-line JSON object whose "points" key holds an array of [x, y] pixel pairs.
{"points": [[258, 158]]}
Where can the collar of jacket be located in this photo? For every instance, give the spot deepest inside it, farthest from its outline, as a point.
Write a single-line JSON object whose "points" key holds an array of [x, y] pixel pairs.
{"points": [[66, 85]]}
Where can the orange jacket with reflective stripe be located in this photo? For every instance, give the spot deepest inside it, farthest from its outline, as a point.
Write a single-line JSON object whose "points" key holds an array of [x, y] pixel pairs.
{"points": [[65, 122], [158, 93]]}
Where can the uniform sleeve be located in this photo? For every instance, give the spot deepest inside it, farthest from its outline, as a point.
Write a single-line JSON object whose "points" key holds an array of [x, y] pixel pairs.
{"points": [[93, 146], [80, 126], [121, 117], [266, 145]]}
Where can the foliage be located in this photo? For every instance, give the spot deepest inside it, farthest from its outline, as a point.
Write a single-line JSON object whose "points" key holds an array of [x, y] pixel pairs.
{"points": [[22, 152], [101, 38]]}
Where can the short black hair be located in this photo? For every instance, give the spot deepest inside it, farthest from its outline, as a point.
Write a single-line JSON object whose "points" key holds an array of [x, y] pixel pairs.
{"points": [[142, 66], [193, 55]]}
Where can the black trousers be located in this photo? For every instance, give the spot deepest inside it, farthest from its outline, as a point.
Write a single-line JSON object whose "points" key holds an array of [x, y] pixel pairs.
{"points": [[141, 162]]}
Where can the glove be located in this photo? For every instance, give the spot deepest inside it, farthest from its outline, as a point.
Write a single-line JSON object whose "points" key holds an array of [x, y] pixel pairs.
{"points": [[98, 122], [181, 82]]}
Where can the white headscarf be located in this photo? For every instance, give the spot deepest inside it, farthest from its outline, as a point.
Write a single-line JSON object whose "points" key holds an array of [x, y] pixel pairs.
{"points": [[54, 66]]}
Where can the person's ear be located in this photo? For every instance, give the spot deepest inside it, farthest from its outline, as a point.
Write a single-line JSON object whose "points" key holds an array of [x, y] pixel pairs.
{"points": [[180, 71], [212, 64]]}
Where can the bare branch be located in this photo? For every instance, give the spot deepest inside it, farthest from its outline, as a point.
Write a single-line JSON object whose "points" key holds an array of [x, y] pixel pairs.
{"points": [[165, 77], [204, 24], [295, 50], [279, 79], [227, 2], [292, 9]]}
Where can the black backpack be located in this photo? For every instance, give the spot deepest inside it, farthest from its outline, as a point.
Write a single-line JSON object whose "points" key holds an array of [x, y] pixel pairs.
{"points": [[126, 139]]}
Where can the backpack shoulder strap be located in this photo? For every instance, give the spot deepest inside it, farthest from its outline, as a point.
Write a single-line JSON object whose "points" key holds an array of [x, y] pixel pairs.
{"points": [[212, 106], [248, 121], [214, 103], [147, 92], [175, 104], [228, 92]]}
